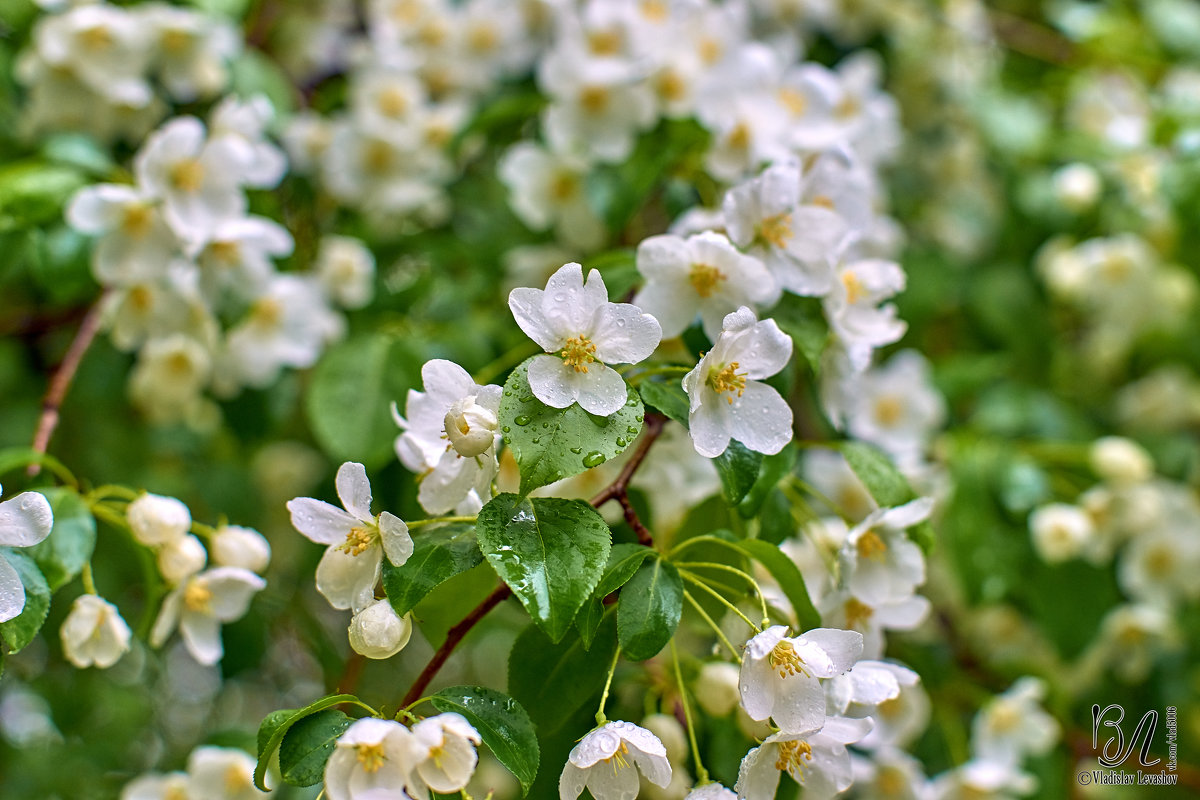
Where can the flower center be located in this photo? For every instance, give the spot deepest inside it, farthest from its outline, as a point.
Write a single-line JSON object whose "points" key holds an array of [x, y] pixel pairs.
{"points": [[670, 86], [578, 353], [97, 37], [135, 222], [739, 137], [888, 410], [225, 252], [370, 756], [564, 186], [393, 102], [617, 759], [870, 545], [854, 287], [175, 40], [1160, 562], [710, 50], [787, 661], [266, 313], [604, 43], [776, 230], [726, 378], [857, 613], [890, 782], [197, 597], [482, 38], [357, 541], [793, 101], [187, 175], [236, 779], [594, 99], [891, 709], [1004, 718], [792, 756], [654, 10], [705, 278]]}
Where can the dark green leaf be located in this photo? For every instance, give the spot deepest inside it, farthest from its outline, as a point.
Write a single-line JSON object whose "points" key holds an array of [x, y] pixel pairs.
{"points": [[649, 610], [308, 744], [738, 470], [668, 397], [773, 470], [878, 473], [553, 680], [803, 319], [502, 723], [62, 554], [438, 555], [623, 561], [276, 725], [20, 630], [787, 575], [551, 552], [555, 443]]}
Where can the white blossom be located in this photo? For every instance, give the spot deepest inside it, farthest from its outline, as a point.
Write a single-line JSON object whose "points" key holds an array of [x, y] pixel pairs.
{"points": [[546, 189], [180, 558], [445, 755], [1013, 726], [372, 760], [200, 604], [135, 243], [235, 546], [879, 562], [25, 520], [604, 762], [156, 520], [347, 270], [377, 631], [94, 634], [221, 773], [818, 761]]}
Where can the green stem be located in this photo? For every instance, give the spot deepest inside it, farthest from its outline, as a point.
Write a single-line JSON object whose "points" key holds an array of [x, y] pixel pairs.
{"points": [[716, 628], [110, 490], [600, 718], [705, 539], [205, 531], [438, 520], [89, 585], [695, 579], [701, 772], [744, 575]]}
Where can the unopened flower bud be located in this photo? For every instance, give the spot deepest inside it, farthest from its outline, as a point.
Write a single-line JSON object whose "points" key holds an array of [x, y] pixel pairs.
{"points": [[181, 558], [94, 633], [1077, 186], [470, 427], [234, 546], [156, 520], [1121, 460], [378, 631], [1060, 531], [716, 688], [671, 733]]}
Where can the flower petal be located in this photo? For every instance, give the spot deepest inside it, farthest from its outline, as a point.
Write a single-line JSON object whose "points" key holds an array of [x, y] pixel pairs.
{"points": [[569, 305], [319, 521], [601, 390], [761, 419], [624, 334], [202, 635], [844, 648], [25, 519], [12, 591], [551, 381], [354, 489], [232, 590], [348, 581], [397, 544], [526, 307]]}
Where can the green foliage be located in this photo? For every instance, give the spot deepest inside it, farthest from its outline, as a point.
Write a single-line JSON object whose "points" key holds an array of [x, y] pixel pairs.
{"points": [[738, 469], [668, 397], [551, 552], [773, 469], [555, 443], [502, 723], [886, 484], [308, 744], [623, 561], [649, 610], [787, 575], [33, 192], [21, 629], [438, 555], [62, 554], [275, 727]]}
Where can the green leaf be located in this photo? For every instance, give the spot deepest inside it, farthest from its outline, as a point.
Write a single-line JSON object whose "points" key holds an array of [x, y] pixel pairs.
{"points": [[349, 400], [738, 470], [555, 443], [503, 724], [668, 397], [803, 319], [649, 610], [34, 192], [16, 457], [80, 151], [787, 575], [623, 561], [253, 73], [772, 471], [878, 473], [308, 744], [438, 555], [553, 680], [276, 725], [551, 552], [20, 630], [62, 554]]}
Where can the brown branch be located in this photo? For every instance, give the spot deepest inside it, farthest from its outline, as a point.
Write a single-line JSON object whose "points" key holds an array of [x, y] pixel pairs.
{"points": [[453, 637], [60, 382], [619, 489]]}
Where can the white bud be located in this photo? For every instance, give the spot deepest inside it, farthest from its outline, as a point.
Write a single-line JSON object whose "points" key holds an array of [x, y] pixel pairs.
{"points": [[181, 558], [1121, 460], [670, 733], [470, 427], [716, 688], [94, 633], [1077, 186], [234, 546], [1060, 531], [378, 631], [156, 520]]}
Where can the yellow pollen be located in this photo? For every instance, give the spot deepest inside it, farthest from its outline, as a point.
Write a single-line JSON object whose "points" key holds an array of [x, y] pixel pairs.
{"points": [[710, 50], [1131, 635], [564, 186], [854, 287], [438, 81], [891, 708], [669, 85], [141, 298], [236, 779], [793, 101], [847, 108], [225, 252], [792, 756], [175, 41], [726, 378], [1116, 269], [378, 157], [786, 661], [869, 545], [357, 541], [578, 353], [739, 137], [482, 38], [179, 364], [1160, 562], [857, 613], [432, 33], [889, 409], [393, 102], [1003, 717], [437, 133], [175, 793], [97, 37], [705, 279], [436, 754], [187, 175], [197, 596], [654, 10], [822, 200], [135, 222], [594, 99], [890, 782], [370, 756], [776, 230], [617, 759], [604, 43], [266, 313]]}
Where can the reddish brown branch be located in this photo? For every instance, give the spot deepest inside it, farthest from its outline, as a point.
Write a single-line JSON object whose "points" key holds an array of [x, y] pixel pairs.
{"points": [[453, 637], [619, 489], [61, 380]]}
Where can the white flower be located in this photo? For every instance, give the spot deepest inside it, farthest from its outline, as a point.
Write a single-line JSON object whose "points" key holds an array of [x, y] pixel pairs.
{"points": [[357, 539], [890, 773], [896, 407], [378, 631], [702, 274], [25, 520], [1077, 186], [192, 49], [170, 374], [448, 433], [221, 773], [842, 609], [1060, 531], [818, 762], [372, 760], [347, 270], [135, 243], [1014, 725], [727, 399], [235, 546], [237, 259], [983, 778], [155, 786], [879, 562], [156, 520], [245, 122], [581, 333], [1120, 461], [547, 189], [604, 760], [779, 676], [199, 606], [445, 755], [181, 558], [104, 47], [852, 307], [866, 685], [94, 633], [711, 791]]}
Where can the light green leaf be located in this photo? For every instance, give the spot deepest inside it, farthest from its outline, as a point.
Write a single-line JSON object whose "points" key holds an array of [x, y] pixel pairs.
{"points": [[276, 725], [438, 555], [649, 610], [62, 554], [555, 443], [878, 473], [34, 192], [738, 469], [502, 723], [551, 552], [668, 397], [787, 575], [20, 630], [623, 561], [308, 744], [553, 680]]}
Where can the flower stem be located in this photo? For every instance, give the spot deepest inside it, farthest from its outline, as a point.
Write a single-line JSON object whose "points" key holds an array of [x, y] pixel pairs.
{"points": [[701, 772], [89, 585], [716, 628], [695, 579], [612, 669], [745, 575]]}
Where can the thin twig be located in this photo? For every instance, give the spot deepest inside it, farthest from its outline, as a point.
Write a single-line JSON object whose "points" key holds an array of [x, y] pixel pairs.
{"points": [[61, 381], [619, 489]]}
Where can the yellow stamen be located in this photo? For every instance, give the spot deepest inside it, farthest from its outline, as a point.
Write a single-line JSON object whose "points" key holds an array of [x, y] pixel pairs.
{"points": [[236, 779], [266, 312], [176, 41], [710, 50], [594, 99], [891, 709], [370, 756], [793, 101], [870, 545], [776, 230], [654, 10], [739, 137], [564, 185], [854, 287], [225, 252], [726, 378], [857, 613], [578, 353], [135, 221], [617, 759], [1004, 718], [889, 409], [824, 201], [482, 38], [97, 37], [197, 596], [393, 102], [792, 757], [669, 85], [705, 279], [357, 541], [604, 43], [786, 661], [187, 175]]}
